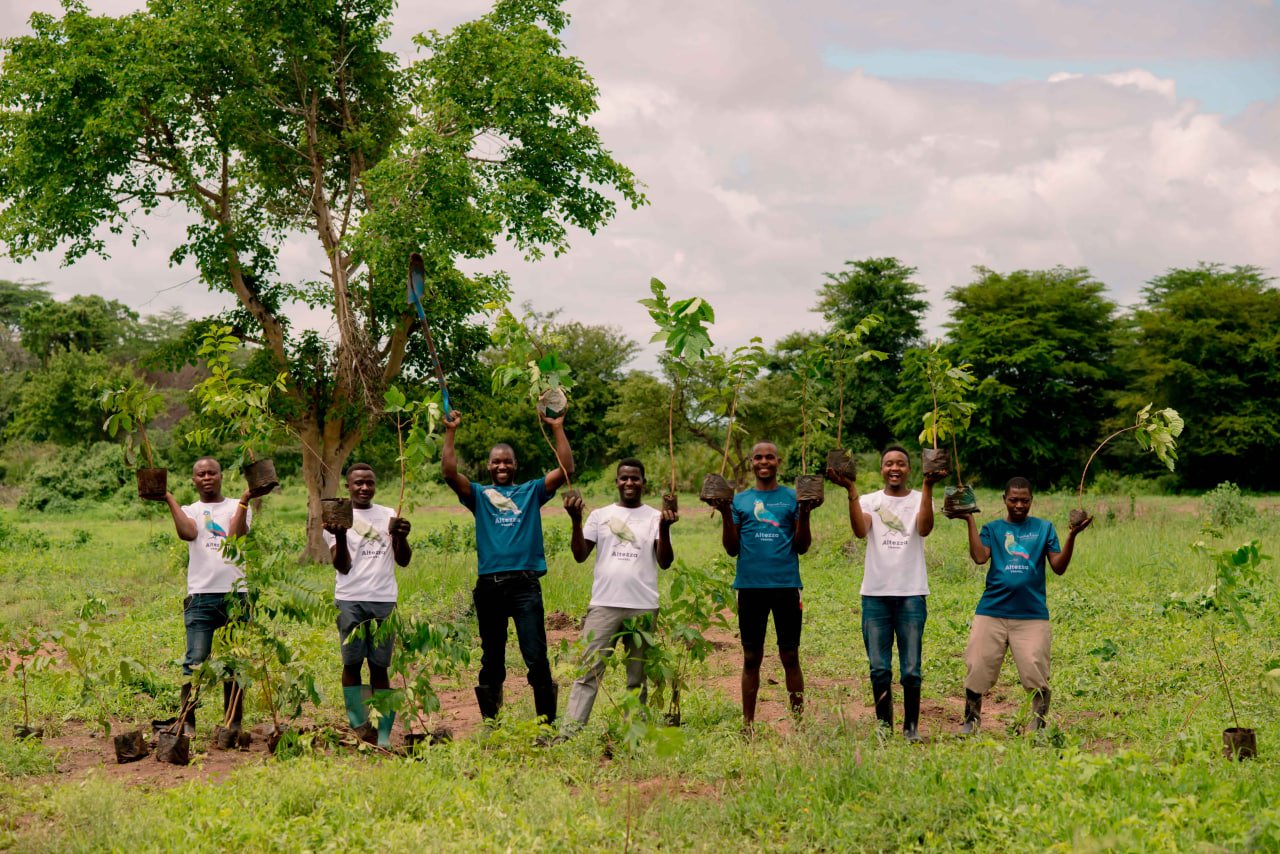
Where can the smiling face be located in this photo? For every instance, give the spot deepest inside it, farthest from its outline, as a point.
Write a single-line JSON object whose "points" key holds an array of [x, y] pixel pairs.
{"points": [[1017, 502], [502, 465], [764, 462], [630, 483], [895, 468], [361, 486], [206, 477]]}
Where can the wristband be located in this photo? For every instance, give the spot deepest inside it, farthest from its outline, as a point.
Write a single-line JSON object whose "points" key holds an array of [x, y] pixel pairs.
{"points": [[245, 506]]}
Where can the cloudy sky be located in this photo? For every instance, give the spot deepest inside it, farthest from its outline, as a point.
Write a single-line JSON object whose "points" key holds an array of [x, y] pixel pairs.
{"points": [[778, 140]]}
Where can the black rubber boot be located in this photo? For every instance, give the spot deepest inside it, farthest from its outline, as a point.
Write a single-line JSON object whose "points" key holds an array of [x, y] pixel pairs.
{"points": [[911, 712], [489, 697], [972, 713], [1039, 708], [884, 705], [186, 704], [544, 701]]}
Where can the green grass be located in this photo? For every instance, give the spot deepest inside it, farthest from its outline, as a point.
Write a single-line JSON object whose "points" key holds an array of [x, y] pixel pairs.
{"points": [[1132, 762]]}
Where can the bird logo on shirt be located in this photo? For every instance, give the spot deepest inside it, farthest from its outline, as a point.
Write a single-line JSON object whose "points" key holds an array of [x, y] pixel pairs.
{"points": [[501, 503], [365, 530], [622, 530], [762, 514], [891, 521], [213, 527], [1012, 547]]}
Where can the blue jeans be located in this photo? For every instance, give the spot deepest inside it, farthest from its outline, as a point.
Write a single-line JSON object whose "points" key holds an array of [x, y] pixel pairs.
{"points": [[883, 618], [203, 614], [514, 596]]}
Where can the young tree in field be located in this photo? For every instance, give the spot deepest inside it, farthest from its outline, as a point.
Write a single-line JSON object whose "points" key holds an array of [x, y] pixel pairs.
{"points": [[1206, 341], [1043, 341], [269, 120], [883, 287]]}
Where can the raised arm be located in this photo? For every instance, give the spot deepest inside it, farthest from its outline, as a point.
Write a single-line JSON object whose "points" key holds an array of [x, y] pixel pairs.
{"points": [[185, 525], [979, 552], [558, 475], [1059, 561], [729, 531], [803, 533], [578, 544], [338, 552], [924, 518], [449, 458], [663, 548], [400, 548], [240, 519], [858, 520]]}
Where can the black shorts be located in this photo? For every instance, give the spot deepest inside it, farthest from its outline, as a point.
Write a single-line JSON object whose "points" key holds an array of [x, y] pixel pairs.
{"points": [[754, 605]]}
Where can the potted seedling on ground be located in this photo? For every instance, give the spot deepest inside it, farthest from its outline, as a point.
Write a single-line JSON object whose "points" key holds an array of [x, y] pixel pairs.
{"points": [[538, 370], [949, 385], [810, 368], [682, 330], [1156, 432], [240, 408], [738, 368], [844, 352], [30, 656], [1233, 569], [129, 408]]}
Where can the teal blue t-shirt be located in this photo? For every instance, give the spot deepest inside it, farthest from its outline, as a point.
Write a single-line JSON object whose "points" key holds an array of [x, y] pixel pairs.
{"points": [[509, 526], [1015, 580], [766, 538]]}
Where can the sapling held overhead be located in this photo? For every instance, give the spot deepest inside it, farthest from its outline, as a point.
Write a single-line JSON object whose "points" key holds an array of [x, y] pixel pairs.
{"points": [[129, 408], [739, 367], [843, 354], [1156, 432]]}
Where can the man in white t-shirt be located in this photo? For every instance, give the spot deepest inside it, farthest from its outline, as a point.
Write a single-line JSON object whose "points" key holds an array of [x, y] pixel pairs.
{"points": [[365, 591], [894, 522], [631, 541], [211, 579]]}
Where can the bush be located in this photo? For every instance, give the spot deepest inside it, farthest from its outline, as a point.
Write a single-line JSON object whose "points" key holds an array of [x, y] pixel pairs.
{"points": [[1226, 507], [76, 476]]}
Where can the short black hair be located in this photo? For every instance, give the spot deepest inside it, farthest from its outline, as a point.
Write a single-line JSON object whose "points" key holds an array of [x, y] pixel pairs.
{"points": [[502, 446], [359, 467], [632, 462], [209, 459], [888, 449], [1018, 483]]}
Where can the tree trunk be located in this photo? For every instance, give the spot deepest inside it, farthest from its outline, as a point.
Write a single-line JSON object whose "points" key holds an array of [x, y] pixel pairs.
{"points": [[322, 463]]}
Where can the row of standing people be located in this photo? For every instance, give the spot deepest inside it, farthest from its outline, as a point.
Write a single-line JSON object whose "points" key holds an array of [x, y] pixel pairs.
{"points": [[764, 527]]}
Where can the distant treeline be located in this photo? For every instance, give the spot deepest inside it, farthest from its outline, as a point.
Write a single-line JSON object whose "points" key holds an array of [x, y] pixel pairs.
{"points": [[1059, 365]]}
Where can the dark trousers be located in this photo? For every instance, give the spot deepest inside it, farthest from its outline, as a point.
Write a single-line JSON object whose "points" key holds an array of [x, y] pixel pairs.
{"points": [[885, 618], [514, 596]]}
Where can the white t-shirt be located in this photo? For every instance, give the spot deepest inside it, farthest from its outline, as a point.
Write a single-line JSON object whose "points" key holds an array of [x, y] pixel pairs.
{"points": [[895, 550], [626, 574], [207, 570], [372, 577]]}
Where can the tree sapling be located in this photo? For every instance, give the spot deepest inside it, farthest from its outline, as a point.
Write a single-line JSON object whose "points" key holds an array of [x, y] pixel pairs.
{"points": [[1157, 432], [131, 407]]}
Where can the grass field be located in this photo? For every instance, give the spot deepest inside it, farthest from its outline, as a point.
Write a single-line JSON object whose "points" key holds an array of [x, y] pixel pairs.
{"points": [[1132, 760]]}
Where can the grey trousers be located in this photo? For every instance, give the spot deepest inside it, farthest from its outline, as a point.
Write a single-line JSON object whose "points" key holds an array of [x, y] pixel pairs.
{"points": [[598, 630]]}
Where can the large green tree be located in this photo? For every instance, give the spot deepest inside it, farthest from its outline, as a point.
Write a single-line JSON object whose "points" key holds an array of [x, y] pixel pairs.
{"points": [[269, 119], [1041, 343], [1206, 341], [86, 322], [885, 287]]}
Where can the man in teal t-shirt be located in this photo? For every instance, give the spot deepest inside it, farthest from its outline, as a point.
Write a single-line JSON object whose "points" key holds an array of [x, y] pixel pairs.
{"points": [[510, 562], [767, 530], [1013, 613]]}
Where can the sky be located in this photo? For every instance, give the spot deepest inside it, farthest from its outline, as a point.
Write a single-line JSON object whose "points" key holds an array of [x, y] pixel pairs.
{"points": [[777, 141]]}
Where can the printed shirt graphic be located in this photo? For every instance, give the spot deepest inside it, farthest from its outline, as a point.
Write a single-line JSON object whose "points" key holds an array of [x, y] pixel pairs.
{"points": [[1016, 578], [626, 572], [895, 551], [766, 538], [207, 570], [509, 526], [372, 577]]}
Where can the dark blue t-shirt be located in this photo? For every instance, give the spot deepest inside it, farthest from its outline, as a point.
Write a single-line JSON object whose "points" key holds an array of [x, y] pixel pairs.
{"points": [[766, 538], [1015, 580], [509, 525]]}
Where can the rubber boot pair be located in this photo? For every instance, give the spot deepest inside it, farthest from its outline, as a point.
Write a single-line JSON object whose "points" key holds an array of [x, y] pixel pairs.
{"points": [[972, 713]]}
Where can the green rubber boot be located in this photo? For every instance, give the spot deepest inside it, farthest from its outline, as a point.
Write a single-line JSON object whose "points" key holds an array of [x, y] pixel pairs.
{"points": [[357, 713], [385, 723]]}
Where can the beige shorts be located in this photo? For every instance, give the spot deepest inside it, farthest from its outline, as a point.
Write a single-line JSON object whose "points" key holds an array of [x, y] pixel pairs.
{"points": [[991, 636]]}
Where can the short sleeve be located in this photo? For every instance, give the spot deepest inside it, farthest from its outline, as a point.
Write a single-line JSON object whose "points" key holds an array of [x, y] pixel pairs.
{"points": [[469, 501], [329, 539], [988, 537], [189, 512], [1051, 544], [864, 503], [540, 491], [591, 528], [739, 517]]}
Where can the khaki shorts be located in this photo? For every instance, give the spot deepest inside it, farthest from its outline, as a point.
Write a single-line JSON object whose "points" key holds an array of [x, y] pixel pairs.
{"points": [[991, 636]]}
